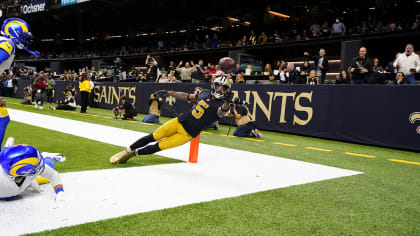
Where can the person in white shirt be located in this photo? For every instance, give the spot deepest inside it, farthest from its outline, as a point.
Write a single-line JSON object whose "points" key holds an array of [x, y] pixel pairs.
{"points": [[408, 63]]}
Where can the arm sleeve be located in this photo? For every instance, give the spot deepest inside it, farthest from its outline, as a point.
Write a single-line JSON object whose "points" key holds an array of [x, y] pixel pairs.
{"points": [[3, 55], [417, 64], [52, 175], [396, 61]]}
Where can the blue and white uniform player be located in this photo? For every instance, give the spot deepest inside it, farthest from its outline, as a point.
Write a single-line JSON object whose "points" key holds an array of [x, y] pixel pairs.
{"points": [[15, 33], [21, 167]]}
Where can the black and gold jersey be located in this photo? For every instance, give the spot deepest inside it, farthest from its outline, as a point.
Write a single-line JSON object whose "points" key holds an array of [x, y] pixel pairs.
{"points": [[203, 113]]}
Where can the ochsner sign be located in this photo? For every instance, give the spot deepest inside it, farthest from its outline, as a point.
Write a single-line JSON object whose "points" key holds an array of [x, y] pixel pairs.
{"points": [[33, 7]]}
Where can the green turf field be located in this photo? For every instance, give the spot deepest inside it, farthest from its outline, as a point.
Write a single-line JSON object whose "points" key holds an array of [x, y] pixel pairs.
{"points": [[385, 200]]}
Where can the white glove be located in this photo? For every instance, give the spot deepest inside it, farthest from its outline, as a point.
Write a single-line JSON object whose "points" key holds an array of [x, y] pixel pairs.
{"points": [[59, 197]]}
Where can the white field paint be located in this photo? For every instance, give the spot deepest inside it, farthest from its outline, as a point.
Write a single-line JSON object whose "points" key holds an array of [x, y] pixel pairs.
{"points": [[103, 194]]}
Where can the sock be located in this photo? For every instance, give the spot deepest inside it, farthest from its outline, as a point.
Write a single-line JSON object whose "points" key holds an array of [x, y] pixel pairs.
{"points": [[150, 149], [143, 141]]}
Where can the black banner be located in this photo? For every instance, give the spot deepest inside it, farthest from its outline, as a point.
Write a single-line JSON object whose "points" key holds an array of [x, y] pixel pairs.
{"points": [[380, 115]]}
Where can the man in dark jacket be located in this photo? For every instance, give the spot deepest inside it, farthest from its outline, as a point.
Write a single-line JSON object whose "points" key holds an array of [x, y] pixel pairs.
{"points": [[320, 64], [361, 67]]}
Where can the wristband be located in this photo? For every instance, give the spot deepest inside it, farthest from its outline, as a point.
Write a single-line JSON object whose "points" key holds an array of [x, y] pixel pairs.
{"points": [[59, 190]]}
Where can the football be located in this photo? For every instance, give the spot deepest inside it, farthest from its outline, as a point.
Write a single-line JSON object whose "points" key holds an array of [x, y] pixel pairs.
{"points": [[227, 64]]}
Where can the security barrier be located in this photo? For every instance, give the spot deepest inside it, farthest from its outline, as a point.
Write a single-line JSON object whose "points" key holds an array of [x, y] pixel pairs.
{"points": [[379, 115]]}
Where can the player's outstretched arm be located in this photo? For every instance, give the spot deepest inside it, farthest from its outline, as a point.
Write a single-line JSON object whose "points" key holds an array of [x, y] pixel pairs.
{"points": [[55, 180], [182, 96]]}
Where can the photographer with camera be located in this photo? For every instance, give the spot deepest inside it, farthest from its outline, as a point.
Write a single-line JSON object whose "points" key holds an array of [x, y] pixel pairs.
{"points": [[27, 95], [155, 103], [125, 110], [68, 104], [246, 124]]}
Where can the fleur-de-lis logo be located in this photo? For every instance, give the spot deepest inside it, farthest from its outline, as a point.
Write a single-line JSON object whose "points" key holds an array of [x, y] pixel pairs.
{"points": [[170, 100], [415, 116]]}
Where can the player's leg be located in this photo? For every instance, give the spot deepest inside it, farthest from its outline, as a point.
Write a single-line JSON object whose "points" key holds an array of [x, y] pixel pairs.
{"points": [[167, 129], [178, 138]]}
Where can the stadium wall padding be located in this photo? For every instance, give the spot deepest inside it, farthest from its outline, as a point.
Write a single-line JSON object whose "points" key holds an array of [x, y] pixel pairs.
{"points": [[380, 115]]}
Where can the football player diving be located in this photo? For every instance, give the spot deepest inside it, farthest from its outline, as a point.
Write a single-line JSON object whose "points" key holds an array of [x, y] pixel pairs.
{"points": [[16, 33], [210, 106], [23, 166]]}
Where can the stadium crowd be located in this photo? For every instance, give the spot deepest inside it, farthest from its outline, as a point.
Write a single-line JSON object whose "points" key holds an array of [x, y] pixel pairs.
{"points": [[233, 35], [313, 70]]}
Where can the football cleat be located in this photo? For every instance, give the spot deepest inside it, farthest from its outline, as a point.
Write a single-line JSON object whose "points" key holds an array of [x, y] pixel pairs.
{"points": [[122, 157]]}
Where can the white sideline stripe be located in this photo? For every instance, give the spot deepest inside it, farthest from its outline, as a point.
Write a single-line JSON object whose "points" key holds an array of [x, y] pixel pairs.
{"points": [[103, 194]]}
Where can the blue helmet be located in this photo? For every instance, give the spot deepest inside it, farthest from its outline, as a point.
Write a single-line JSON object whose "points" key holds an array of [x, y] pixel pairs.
{"points": [[19, 32], [21, 160]]}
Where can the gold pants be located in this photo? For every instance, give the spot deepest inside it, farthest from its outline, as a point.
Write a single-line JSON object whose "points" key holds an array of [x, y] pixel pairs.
{"points": [[171, 134]]}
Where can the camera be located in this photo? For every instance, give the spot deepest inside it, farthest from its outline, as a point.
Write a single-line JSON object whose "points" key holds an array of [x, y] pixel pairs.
{"points": [[239, 102]]}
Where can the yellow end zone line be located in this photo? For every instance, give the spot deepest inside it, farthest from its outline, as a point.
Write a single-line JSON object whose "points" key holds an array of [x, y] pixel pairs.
{"points": [[359, 155], [205, 132], [229, 136], [251, 139], [285, 144], [319, 149], [406, 162]]}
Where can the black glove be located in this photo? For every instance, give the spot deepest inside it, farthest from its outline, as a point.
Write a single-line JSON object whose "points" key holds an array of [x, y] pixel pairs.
{"points": [[161, 93]]}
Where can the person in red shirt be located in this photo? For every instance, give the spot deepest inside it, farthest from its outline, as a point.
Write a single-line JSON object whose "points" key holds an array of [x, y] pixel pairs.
{"points": [[39, 84]]}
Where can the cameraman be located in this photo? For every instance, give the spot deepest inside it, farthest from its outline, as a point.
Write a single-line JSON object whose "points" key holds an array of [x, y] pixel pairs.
{"points": [[27, 95], [69, 103], [126, 109], [154, 109], [246, 125]]}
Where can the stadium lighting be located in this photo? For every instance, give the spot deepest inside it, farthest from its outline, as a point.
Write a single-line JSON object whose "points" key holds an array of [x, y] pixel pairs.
{"points": [[47, 40], [278, 14], [371, 8], [247, 23], [233, 19], [69, 39]]}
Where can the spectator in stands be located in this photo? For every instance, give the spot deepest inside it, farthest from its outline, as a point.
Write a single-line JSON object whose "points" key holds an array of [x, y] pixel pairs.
{"points": [[85, 90], [312, 78], [214, 41], [320, 64], [293, 76], [198, 75], [252, 38], [186, 71], [342, 78], [39, 84], [238, 74], [377, 71], [325, 29], [399, 79], [155, 103], [172, 79], [262, 39], [315, 29], [390, 67], [408, 63], [152, 69], [163, 78], [172, 69], [246, 124], [304, 71], [361, 67], [338, 28], [69, 103]]}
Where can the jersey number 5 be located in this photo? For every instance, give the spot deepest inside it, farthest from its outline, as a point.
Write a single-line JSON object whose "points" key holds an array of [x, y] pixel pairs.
{"points": [[199, 109]]}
